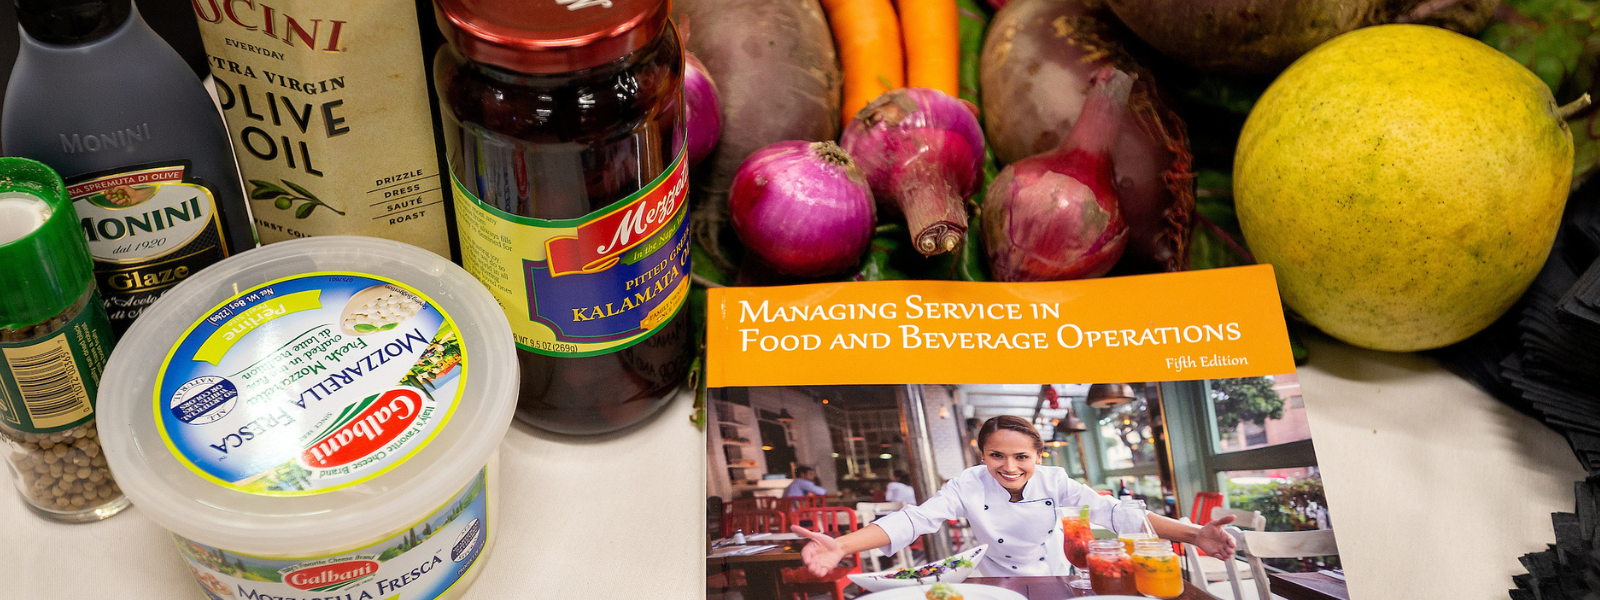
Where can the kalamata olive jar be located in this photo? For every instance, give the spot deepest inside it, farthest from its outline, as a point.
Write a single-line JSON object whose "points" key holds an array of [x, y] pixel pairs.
{"points": [[564, 128]]}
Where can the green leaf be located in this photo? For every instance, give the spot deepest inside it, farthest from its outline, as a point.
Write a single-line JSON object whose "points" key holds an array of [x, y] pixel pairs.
{"points": [[700, 263], [300, 190], [363, 328], [1296, 345], [1232, 94], [973, 20], [1245, 400], [260, 184], [264, 190], [304, 210], [877, 266], [388, 326]]}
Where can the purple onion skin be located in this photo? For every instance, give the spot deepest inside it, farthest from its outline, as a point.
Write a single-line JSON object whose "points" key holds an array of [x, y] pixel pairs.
{"points": [[803, 208], [922, 152], [1057, 215], [1036, 64], [702, 106]]}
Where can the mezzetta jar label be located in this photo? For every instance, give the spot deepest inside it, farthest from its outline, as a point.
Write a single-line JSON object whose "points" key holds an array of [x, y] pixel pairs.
{"points": [[423, 562], [586, 286], [310, 384], [149, 228]]}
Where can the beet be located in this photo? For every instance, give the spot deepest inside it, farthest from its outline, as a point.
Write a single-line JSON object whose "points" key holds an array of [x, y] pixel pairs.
{"points": [[1037, 61], [778, 79], [1264, 36]]}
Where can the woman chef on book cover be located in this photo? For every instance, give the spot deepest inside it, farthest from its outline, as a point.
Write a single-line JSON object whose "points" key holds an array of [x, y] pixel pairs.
{"points": [[1010, 501]]}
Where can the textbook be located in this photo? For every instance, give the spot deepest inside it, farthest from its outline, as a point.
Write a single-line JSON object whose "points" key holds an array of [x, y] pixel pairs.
{"points": [[884, 409]]}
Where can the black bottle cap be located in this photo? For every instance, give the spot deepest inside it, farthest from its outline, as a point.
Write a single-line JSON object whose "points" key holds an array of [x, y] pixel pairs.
{"points": [[71, 22]]}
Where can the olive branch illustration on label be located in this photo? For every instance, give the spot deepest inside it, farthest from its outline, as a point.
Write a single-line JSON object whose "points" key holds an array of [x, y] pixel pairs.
{"points": [[285, 199]]}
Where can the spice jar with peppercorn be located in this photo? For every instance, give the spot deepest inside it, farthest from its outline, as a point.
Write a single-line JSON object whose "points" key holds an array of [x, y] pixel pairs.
{"points": [[54, 341]]}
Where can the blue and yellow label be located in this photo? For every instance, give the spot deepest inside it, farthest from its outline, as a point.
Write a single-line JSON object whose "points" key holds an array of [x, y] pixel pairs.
{"points": [[585, 286], [310, 384], [424, 561]]}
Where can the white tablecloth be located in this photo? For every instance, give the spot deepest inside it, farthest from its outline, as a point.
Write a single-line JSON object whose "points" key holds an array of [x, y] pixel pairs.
{"points": [[1434, 487], [1435, 490], [620, 516]]}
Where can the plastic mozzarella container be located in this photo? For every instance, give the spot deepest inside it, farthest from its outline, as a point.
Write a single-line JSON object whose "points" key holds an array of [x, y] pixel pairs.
{"points": [[317, 418]]}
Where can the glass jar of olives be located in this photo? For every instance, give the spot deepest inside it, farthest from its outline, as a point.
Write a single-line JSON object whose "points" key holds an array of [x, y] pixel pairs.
{"points": [[564, 132]]}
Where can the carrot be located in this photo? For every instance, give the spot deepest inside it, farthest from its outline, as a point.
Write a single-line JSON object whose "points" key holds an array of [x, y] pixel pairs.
{"points": [[868, 38], [933, 44]]}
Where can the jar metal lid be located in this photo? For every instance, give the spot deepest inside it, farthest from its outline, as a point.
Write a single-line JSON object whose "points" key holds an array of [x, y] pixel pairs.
{"points": [[549, 36], [49, 268]]}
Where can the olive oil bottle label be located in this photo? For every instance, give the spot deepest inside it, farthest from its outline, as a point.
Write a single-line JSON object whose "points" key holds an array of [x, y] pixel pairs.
{"points": [[327, 104], [149, 228], [585, 286]]}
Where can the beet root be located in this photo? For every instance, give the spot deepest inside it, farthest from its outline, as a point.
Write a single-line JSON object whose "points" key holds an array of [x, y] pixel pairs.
{"points": [[1263, 36]]}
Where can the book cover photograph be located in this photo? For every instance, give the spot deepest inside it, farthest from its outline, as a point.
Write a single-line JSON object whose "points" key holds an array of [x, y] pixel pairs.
{"points": [[910, 439]]}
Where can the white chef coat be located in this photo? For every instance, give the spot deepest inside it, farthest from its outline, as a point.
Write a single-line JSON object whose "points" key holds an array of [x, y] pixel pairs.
{"points": [[1024, 537], [900, 492]]}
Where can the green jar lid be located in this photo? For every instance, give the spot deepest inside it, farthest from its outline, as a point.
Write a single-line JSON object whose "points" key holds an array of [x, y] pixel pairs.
{"points": [[45, 270]]}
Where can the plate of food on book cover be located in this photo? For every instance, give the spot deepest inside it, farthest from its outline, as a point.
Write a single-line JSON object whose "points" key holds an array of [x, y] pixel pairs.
{"points": [[946, 591]]}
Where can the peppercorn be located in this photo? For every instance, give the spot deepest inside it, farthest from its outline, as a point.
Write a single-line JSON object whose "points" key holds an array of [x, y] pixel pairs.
{"points": [[54, 342]]}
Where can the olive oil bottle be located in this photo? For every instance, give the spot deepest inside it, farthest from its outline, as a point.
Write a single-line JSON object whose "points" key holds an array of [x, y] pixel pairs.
{"points": [[329, 110]]}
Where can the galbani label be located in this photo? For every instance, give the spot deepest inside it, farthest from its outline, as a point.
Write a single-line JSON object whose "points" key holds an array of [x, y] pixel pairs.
{"points": [[391, 415], [309, 384], [330, 576], [427, 559]]}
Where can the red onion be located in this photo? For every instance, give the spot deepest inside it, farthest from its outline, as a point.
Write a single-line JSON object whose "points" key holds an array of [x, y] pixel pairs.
{"points": [[1035, 76], [1054, 216], [922, 153], [701, 109], [803, 208]]}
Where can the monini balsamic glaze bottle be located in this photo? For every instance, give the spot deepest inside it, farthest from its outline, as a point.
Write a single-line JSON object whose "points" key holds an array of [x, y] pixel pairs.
{"points": [[102, 99]]}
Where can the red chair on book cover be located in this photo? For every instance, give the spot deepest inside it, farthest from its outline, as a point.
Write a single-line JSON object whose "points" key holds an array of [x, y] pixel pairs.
{"points": [[794, 503], [835, 521], [749, 504], [1203, 503], [742, 504], [754, 521]]}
